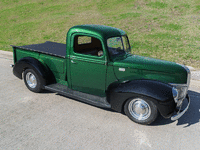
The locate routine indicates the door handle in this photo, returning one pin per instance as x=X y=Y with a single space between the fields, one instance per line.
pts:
x=73 y=62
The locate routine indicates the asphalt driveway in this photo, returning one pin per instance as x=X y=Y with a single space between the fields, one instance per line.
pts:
x=31 y=121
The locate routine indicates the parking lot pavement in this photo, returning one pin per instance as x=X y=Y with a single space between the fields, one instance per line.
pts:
x=50 y=121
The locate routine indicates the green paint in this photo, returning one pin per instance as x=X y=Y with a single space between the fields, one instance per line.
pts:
x=93 y=74
x=139 y=67
x=56 y=65
x=25 y=53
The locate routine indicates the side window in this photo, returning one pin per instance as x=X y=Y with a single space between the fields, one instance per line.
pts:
x=88 y=45
x=84 y=40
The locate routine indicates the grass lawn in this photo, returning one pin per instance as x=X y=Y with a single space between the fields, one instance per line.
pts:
x=162 y=29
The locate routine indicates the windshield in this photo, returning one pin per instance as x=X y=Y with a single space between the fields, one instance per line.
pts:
x=118 y=45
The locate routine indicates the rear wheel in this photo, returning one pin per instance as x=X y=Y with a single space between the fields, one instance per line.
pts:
x=32 y=80
x=141 y=110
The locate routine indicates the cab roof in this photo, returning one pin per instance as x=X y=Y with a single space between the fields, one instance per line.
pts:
x=101 y=30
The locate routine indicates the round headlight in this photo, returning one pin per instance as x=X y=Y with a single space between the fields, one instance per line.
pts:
x=175 y=94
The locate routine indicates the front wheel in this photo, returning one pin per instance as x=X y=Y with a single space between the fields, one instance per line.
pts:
x=32 y=81
x=141 y=110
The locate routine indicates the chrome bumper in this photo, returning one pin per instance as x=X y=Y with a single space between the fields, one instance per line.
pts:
x=181 y=112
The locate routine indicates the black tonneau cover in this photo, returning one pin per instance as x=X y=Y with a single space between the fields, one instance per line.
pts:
x=51 y=48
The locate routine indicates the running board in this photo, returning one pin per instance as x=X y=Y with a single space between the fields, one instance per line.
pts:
x=87 y=98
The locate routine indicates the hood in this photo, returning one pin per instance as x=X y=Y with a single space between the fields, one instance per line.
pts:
x=134 y=66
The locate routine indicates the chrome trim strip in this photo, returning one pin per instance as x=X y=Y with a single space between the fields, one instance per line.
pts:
x=182 y=85
x=178 y=115
x=188 y=74
x=188 y=80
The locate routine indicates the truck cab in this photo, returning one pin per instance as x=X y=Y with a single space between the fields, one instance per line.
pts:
x=96 y=66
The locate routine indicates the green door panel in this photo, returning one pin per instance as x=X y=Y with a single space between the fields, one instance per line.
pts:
x=88 y=70
x=88 y=75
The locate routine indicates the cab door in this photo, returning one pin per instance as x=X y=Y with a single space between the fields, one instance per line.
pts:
x=88 y=65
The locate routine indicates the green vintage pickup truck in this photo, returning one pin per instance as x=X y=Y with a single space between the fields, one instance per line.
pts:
x=95 y=66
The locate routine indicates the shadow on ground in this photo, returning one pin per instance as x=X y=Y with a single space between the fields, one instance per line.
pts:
x=107 y=109
x=46 y=92
x=192 y=116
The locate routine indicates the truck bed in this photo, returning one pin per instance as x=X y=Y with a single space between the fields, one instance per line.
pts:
x=51 y=48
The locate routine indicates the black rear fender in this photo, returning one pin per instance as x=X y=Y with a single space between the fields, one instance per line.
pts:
x=32 y=63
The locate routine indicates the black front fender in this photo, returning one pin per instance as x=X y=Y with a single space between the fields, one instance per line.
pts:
x=158 y=92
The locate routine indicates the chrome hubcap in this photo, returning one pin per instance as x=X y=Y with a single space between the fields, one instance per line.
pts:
x=139 y=109
x=31 y=80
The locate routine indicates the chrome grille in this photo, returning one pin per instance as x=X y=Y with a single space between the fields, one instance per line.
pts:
x=183 y=88
x=188 y=74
